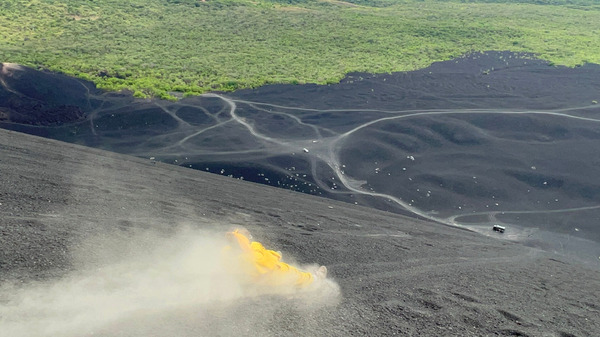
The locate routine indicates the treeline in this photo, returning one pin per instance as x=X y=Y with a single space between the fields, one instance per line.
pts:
x=157 y=47
x=535 y=2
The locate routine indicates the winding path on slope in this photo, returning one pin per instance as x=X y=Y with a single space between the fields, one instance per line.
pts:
x=327 y=149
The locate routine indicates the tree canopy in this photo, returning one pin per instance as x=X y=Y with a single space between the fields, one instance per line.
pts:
x=156 y=47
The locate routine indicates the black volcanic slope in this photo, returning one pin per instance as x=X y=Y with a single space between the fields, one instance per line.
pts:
x=89 y=244
x=492 y=138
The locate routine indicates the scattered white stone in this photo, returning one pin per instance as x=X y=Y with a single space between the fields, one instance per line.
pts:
x=411 y=158
x=533 y=167
x=545 y=183
x=330 y=207
x=152 y=158
x=305 y=150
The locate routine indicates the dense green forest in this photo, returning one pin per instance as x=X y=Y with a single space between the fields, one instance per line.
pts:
x=157 y=47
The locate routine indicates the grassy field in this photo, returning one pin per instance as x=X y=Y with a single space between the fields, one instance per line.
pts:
x=154 y=47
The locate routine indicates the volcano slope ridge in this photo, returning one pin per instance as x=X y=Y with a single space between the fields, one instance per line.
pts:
x=493 y=138
x=104 y=243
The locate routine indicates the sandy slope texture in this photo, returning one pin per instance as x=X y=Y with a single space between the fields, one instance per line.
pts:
x=485 y=139
x=102 y=243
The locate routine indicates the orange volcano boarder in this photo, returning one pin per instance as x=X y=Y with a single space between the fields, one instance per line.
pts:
x=263 y=266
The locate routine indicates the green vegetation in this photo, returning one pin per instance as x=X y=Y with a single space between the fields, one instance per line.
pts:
x=154 y=47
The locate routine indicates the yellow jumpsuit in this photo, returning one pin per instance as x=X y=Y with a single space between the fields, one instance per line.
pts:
x=265 y=267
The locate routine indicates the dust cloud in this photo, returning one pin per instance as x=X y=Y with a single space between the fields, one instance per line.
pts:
x=150 y=283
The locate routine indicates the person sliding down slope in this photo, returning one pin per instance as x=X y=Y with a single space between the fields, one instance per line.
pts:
x=263 y=267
